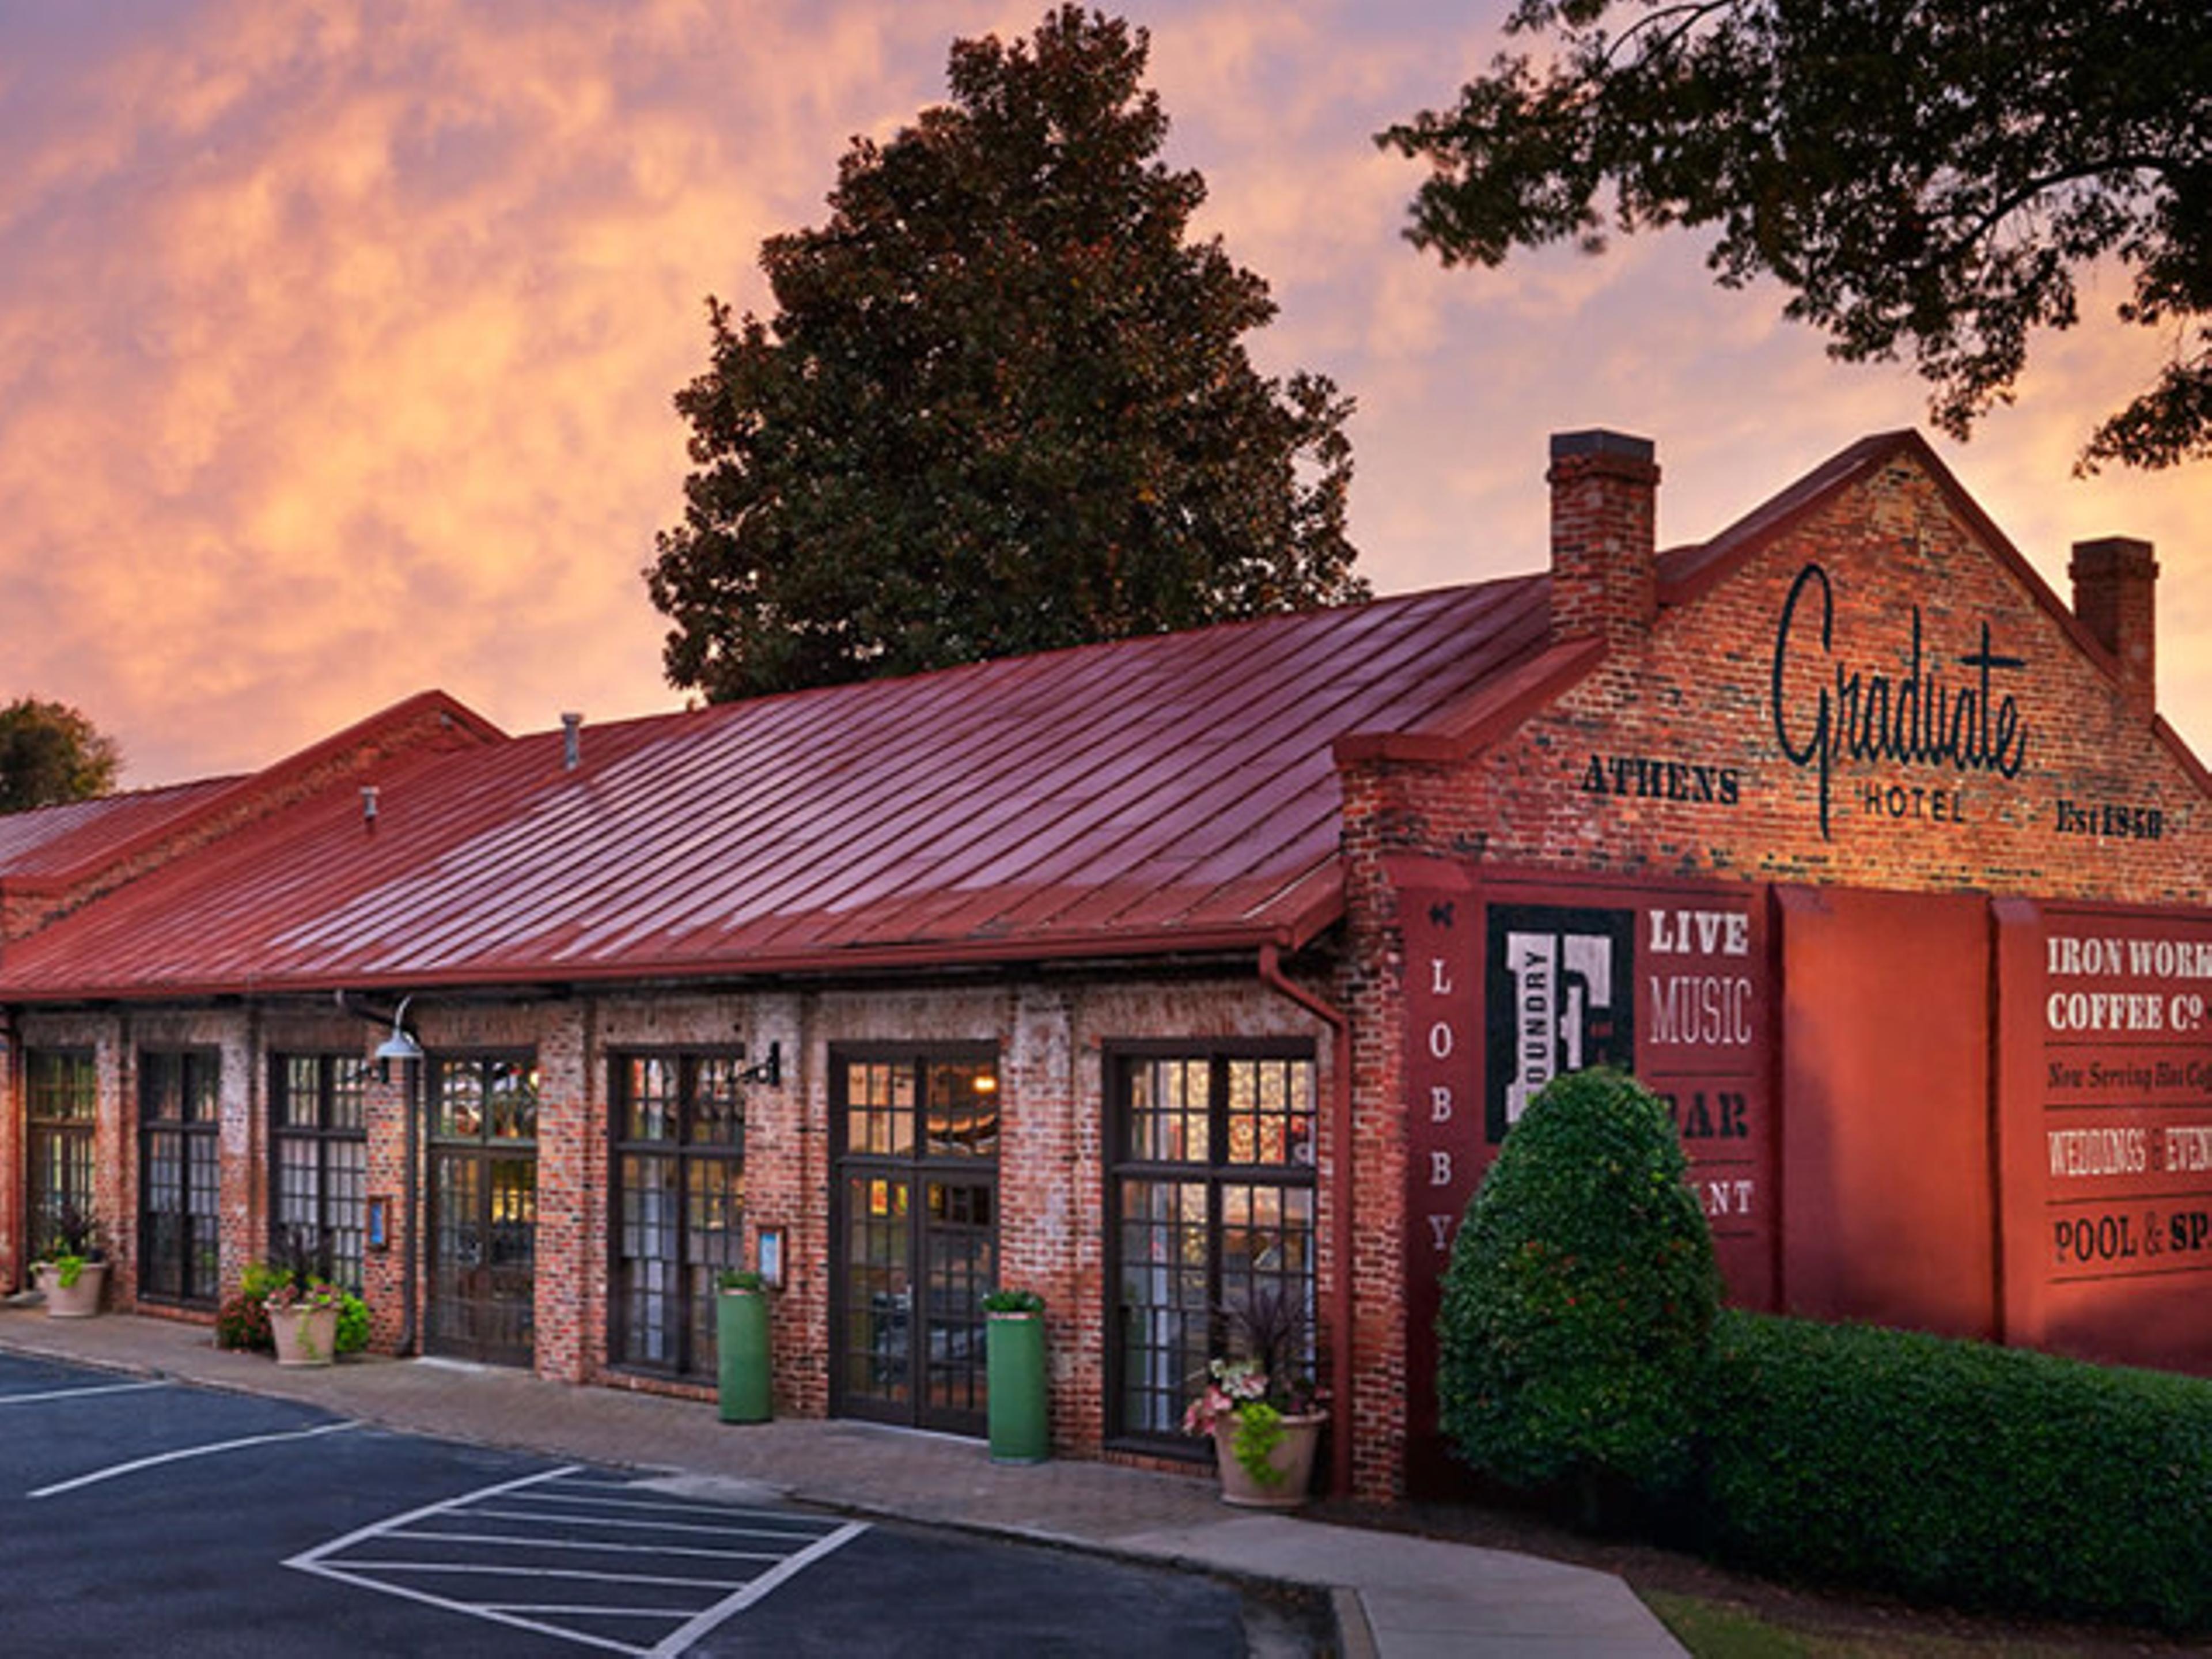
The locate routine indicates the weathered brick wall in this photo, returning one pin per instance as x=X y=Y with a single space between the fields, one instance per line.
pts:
x=1051 y=1034
x=1696 y=708
x=1667 y=761
x=1376 y=831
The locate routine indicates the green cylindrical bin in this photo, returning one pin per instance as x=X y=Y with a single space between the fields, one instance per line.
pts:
x=1015 y=1358
x=741 y=1341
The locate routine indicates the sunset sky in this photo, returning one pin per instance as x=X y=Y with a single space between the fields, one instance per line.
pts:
x=337 y=339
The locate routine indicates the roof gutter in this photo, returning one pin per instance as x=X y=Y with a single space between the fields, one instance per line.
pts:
x=1340 y=1299
x=1228 y=942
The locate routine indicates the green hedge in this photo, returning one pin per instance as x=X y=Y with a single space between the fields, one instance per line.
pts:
x=1956 y=1471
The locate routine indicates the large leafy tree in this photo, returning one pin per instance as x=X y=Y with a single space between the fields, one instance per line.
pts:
x=1003 y=404
x=50 y=753
x=1930 y=176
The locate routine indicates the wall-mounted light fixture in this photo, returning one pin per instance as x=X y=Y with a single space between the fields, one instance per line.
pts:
x=769 y=1072
x=400 y=1045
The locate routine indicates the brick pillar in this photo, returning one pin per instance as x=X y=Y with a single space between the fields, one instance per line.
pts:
x=392 y=1091
x=2116 y=597
x=1605 y=488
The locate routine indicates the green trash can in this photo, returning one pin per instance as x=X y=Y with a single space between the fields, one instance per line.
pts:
x=742 y=1345
x=1020 y=1431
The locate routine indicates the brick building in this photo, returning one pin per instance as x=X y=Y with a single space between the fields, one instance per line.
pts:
x=1152 y=973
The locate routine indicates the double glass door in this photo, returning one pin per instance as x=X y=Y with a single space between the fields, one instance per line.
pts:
x=917 y=1236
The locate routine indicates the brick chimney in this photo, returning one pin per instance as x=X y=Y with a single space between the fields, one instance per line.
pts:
x=1605 y=578
x=2115 y=595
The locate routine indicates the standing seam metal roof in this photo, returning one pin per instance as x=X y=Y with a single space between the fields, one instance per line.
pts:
x=1176 y=791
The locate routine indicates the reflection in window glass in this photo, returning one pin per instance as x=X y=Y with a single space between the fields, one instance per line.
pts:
x=679 y=1205
x=319 y=1156
x=1213 y=1205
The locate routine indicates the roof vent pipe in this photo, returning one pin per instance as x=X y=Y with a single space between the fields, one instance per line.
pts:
x=572 y=741
x=369 y=806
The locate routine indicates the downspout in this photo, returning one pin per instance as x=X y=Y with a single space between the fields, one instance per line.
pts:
x=1340 y=1299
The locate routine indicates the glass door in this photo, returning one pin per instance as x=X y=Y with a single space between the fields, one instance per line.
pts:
x=917 y=1238
x=484 y=1211
x=180 y=1210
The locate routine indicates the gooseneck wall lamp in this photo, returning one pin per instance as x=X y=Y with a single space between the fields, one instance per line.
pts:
x=401 y=1044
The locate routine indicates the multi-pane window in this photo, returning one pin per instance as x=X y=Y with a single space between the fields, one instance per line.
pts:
x=1213 y=1210
x=319 y=1157
x=179 y=1188
x=679 y=1168
x=61 y=1102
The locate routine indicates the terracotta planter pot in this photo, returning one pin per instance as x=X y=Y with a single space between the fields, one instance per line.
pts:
x=1291 y=1460
x=305 y=1336
x=77 y=1301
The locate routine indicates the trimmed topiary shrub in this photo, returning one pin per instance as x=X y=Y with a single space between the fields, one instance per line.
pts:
x=1960 y=1473
x=1579 y=1298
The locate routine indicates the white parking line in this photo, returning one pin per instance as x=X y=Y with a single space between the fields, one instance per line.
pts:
x=78 y=1393
x=679 y=1640
x=115 y=1471
x=305 y=1560
x=437 y=1553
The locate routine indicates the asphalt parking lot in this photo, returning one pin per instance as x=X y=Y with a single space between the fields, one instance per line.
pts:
x=146 y=1515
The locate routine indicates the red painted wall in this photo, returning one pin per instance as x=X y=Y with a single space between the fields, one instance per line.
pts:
x=1886 y=1209
x=2104 y=1101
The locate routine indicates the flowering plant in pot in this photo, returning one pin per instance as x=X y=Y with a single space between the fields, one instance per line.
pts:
x=72 y=1266
x=302 y=1303
x=1261 y=1403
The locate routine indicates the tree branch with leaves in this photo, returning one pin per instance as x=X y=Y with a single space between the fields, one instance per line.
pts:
x=1930 y=177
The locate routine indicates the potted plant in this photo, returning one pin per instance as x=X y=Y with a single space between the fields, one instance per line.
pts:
x=301 y=1301
x=72 y=1269
x=1261 y=1406
x=1014 y=1374
x=303 y=1321
x=742 y=1347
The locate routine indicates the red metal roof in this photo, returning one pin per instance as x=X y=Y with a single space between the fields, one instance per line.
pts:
x=49 y=840
x=1171 y=793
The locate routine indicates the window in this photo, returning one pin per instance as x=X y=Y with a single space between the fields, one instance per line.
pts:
x=679 y=1170
x=1211 y=1202
x=179 y=1182
x=61 y=1106
x=319 y=1157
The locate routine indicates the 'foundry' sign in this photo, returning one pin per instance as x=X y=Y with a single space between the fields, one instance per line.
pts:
x=1519 y=980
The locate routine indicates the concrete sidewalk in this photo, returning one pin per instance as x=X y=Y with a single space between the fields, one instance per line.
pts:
x=1394 y=1596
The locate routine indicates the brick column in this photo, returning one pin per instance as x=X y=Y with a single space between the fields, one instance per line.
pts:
x=1605 y=580
x=2116 y=597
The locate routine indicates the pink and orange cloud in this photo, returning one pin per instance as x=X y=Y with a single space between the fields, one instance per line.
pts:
x=337 y=340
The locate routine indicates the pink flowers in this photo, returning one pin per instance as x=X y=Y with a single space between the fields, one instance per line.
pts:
x=1234 y=1384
